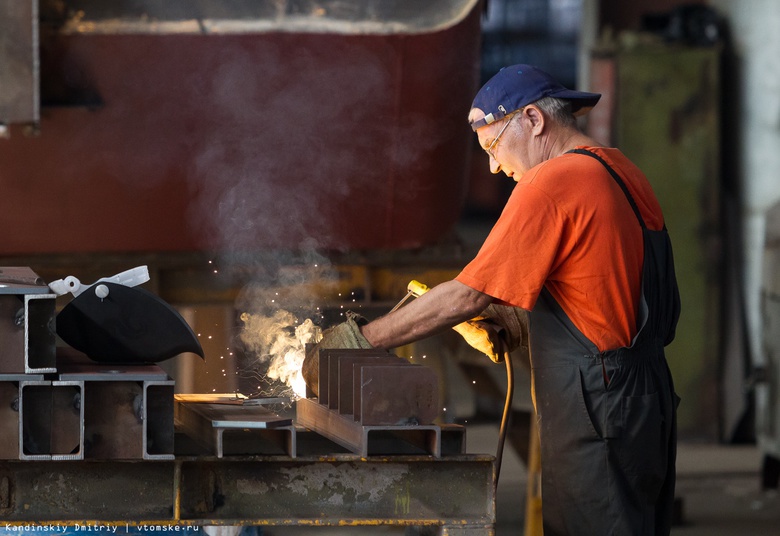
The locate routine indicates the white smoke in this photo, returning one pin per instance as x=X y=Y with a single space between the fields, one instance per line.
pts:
x=277 y=343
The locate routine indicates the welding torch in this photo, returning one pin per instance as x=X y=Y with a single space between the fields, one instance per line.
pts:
x=417 y=289
x=414 y=288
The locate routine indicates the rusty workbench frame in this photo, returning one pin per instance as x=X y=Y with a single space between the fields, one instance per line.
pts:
x=454 y=493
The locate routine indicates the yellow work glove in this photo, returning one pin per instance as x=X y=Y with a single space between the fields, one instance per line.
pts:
x=344 y=335
x=499 y=329
x=482 y=335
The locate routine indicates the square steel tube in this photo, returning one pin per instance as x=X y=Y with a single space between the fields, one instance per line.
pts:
x=40 y=343
x=158 y=420
x=27 y=333
x=51 y=420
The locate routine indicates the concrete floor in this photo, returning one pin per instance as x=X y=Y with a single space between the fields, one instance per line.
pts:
x=719 y=488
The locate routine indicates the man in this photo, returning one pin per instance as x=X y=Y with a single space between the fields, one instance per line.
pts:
x=581 y=245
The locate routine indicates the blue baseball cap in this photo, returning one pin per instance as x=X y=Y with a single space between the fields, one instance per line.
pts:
x=519 y=85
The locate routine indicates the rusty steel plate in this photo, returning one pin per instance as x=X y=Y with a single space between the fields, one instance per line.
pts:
x=346 y=375
x=333 y=369
x=327 y=381
x=395 y=395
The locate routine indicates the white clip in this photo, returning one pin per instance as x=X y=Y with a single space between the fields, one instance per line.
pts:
x=129 y=278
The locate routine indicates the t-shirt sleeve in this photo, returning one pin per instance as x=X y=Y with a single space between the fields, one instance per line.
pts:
x=521 y=250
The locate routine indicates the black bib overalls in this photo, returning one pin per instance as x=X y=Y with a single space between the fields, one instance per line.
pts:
x=607 y=420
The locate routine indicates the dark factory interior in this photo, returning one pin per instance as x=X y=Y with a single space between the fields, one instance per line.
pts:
x=195 y=191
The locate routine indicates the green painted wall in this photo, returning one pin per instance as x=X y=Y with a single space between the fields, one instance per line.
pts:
x=666 y=119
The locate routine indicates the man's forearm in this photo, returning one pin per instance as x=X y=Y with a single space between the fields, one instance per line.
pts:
x=440 y=308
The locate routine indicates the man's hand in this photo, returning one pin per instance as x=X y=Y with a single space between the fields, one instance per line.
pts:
x=344 y=335
x=499 y=329
x=482 y=335
x=512 y=323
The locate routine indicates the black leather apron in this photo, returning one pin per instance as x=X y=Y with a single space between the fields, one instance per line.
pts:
x=607 y=420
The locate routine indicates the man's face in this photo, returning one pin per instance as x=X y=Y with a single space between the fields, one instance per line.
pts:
x=504 y=143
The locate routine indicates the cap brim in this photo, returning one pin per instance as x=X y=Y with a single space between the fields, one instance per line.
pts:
x=581 y=101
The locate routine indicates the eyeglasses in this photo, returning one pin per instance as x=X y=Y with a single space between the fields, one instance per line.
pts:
x=495 y=140
x=494 y=143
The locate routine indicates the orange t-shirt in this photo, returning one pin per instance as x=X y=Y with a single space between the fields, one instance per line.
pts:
x=569 y=227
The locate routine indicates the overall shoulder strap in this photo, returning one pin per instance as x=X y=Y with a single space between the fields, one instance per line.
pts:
x=617 y=179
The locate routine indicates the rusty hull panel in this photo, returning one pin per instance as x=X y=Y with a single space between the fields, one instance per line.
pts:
x=243 y=140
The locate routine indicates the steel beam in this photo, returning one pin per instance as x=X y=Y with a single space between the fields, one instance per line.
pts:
x=376 y=440
x=454 y=493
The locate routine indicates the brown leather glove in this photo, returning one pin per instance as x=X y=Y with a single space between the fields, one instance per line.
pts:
x=344 y=335
x=512 y=323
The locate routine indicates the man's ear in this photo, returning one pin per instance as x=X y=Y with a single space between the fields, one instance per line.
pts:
x=536 y=118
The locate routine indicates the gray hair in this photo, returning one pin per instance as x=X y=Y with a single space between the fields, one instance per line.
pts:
x=559 y=110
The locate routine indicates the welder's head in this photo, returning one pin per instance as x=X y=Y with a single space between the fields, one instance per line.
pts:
x=517 y=86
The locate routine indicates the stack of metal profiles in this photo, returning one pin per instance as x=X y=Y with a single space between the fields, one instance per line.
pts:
x=60 y=409
x=372 y=402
